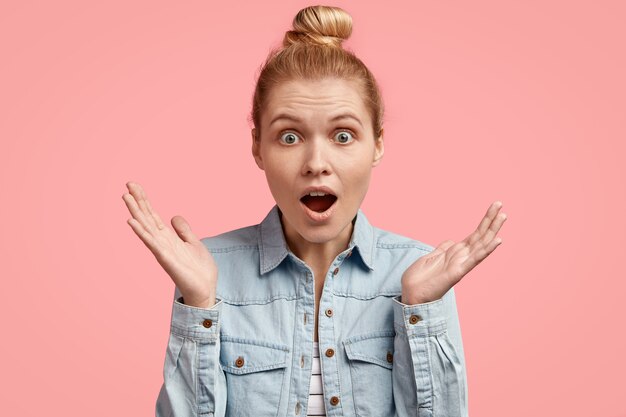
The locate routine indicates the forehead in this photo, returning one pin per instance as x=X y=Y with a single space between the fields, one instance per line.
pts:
x=316 y=98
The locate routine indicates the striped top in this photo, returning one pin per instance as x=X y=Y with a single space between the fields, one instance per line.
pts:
x=316 y=394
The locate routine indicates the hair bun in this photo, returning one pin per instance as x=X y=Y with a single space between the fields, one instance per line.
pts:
x=319 y=25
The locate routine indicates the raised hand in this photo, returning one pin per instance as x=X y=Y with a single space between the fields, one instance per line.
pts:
x=432 y=275
x=183 y=256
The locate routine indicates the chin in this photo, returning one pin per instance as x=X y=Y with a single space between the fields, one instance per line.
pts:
x=322 y=233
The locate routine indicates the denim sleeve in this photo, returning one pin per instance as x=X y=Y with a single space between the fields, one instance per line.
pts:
x=193 y=380
x=429 y=376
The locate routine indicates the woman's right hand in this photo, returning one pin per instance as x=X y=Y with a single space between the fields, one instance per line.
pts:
x=183 y=256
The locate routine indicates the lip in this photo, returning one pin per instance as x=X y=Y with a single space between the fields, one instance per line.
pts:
x=314 y=215
x=322 y=188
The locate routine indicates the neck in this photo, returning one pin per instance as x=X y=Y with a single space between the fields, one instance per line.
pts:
x=314 y=254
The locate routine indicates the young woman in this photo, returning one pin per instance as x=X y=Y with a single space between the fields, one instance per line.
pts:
x=313 y=311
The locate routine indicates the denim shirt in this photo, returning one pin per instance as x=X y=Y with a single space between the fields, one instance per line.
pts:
x=250 y=354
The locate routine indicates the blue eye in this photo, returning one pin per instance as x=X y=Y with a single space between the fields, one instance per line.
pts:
x=289 y=138
x=344 y=136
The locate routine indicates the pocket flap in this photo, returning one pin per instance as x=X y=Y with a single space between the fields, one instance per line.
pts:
x=374 y=348
x=244 y=356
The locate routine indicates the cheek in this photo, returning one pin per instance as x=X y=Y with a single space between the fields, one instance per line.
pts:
x=356 y=179
x=276 y=185
x=272 y=162
x=279 y=176
x=357 y=170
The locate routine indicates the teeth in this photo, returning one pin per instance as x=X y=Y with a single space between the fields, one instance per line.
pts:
x=317 y=194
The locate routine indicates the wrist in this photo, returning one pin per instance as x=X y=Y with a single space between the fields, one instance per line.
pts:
x=413 y=296
x=199 y=302
x=408 y=300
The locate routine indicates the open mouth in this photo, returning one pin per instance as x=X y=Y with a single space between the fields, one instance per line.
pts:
x=318 y=201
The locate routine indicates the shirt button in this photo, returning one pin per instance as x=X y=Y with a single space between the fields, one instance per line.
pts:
x=414 y=318
x=207 y=323
x=239 y=362
x=334 y=400
x=329 y=312
x=336 y=271
x=389 y=357
x=298 y=407
x=330 y=353
x=302 y=361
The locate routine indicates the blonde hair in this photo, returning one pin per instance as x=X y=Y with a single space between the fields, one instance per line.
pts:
x=311 y=51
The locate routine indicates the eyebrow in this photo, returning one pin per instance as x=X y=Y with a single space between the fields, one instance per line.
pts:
x=296 y=119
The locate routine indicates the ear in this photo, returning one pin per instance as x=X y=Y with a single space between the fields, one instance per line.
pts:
x=379 y=150
x=256 y=148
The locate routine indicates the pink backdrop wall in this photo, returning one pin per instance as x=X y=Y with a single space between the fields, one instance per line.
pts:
x=518 y=101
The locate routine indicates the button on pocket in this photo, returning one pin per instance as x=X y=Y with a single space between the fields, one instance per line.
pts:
x=369 y=356
x=254 y=371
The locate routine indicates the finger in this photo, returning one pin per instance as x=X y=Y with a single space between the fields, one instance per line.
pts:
x=183 y=229
x=136 y=212
x=157 y=218
x=137 y=192
x=485 y=223
x=494 y=228
x=145 y=237
x=441 y=248
x=457 y=248
x=480 y=254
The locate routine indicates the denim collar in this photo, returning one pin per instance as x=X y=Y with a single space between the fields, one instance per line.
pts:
x=273 y=247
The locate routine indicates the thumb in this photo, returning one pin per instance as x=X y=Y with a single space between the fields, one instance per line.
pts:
x=183 y=229
x=443 y=246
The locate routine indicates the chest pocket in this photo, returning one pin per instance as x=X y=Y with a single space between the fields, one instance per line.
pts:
x=370 y=360
x=255 y=374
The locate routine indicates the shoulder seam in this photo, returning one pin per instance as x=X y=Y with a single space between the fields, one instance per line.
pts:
x=383 y=245
x=232 y=248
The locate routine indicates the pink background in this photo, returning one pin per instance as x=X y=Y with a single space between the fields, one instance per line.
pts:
x=518 y=101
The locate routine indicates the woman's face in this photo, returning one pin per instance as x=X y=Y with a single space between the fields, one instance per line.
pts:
x=317 y=136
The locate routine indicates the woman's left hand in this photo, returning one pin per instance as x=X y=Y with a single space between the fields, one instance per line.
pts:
x=432 y=275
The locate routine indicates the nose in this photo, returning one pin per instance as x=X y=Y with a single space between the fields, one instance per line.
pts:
x=316 y=158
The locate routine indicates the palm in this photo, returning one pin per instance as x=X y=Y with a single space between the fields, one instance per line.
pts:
x=181 y=254
x=432 y=275
x=185 y=262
